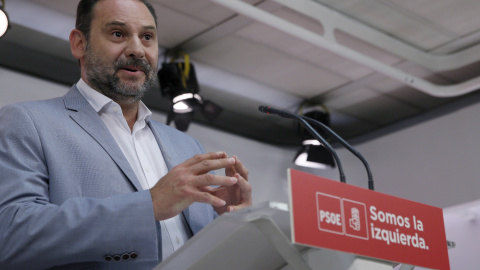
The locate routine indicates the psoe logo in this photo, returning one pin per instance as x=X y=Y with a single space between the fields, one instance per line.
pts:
x=341 y=216
x=330 y=213
x=355 y=219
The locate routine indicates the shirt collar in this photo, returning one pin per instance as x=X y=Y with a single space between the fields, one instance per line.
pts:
x=96 y=99
x=99 y=101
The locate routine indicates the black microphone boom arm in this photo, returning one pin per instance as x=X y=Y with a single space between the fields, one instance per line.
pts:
x=270 y=110
x=346 y=145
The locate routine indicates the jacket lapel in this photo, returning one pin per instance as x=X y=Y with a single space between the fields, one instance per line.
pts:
x=196 y=216
x=86 y=117
x=166 y=147
x=197 y=213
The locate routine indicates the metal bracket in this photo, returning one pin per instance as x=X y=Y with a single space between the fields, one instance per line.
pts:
x=332 y=20
x=327 y=43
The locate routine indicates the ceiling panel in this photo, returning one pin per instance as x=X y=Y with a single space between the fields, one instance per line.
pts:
x=408 y=95
x=445 y=13
x=67 y=7
x=242 y=63
x=302 y=78
x=463 y=73
x=270 y=37
x=350 y=126
x=300 y=20
x=268 y=66
x=367 y=48
x=372 y=107
x=42 y=17
x=415 y=98
x=359 y=95
x=395 y=21
x=202 y=10
x=346 y=68
x=185 y=26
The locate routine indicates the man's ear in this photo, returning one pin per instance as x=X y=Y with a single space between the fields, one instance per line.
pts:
x=78 y=43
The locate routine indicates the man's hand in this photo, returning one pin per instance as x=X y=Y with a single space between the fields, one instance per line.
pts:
x=236 y=196
x=190 y=182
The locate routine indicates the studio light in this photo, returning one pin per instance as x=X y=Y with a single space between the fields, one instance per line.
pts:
x=178 y=82
x=4 y=22
x=312 y=153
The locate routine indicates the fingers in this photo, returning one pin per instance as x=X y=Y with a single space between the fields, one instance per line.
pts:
x=204 y=163
x=191 y=182
x=238 y=199
x=208 y=179
x=206 y=156
x=240 y=168
x=245 y=194
x=232 y=208
x=205 y=197
x=217 y=160
x=245 y=187
x=171 y=194
x=207 y=165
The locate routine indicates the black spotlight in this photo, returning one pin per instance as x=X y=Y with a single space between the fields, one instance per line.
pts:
x=178 y=82
x=313 y=154
x=4 y=22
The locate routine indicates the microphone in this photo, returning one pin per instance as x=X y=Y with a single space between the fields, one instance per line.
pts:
x=346 y=145
x=270 y=110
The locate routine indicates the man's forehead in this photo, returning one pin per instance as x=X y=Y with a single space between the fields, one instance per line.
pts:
x=111 y=12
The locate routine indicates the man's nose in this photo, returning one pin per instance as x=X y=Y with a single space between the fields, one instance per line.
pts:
x=135 y=48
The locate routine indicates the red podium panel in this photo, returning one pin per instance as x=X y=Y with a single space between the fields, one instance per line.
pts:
x=338 y=216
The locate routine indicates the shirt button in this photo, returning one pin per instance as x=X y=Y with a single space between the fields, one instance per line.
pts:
x=178 y=240
x=125 y=256
x=108 y=258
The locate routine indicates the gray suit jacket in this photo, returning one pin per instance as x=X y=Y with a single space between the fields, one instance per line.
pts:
x=69 y=197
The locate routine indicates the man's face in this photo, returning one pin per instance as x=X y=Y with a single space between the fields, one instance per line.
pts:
x=122 y=51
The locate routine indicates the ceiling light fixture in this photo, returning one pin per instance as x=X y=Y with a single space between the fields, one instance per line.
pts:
x=313 y=154
x=4 y=22
x=178 y=82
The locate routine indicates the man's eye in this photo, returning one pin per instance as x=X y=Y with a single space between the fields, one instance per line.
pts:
x=148 y=37
x=117 y=34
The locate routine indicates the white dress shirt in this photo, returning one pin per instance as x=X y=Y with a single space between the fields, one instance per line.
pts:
x=144 y=155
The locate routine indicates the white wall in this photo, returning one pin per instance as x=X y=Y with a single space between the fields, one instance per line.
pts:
x=462 y=225
x=436 y=162
x=17 y=87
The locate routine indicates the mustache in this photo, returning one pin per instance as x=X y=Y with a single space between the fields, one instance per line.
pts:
x=141 y=64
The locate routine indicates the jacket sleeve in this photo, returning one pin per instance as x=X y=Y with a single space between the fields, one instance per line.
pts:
x=36 y=234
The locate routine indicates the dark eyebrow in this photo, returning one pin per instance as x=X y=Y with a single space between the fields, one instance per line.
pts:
x=114 y=23
x=117 y=23
x=150 y=27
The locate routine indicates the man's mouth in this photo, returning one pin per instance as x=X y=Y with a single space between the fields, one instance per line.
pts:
x=132 y=69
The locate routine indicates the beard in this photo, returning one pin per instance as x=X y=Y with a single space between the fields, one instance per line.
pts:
x=103 y=77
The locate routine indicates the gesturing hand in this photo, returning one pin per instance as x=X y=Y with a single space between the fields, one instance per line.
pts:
x=236 y=196
x=190 y=182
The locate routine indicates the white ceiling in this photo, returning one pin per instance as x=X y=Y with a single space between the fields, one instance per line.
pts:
x=243 y=62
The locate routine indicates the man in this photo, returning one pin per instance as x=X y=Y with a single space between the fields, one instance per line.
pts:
x=87 y=181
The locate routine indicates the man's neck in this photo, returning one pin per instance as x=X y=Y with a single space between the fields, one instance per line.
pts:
x=129 y=107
